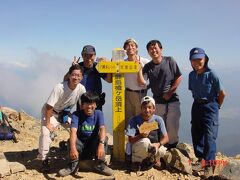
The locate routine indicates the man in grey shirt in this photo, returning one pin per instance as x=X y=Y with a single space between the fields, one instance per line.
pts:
x=164 y=78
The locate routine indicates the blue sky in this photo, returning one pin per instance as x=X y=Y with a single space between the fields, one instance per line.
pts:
x=38 y=40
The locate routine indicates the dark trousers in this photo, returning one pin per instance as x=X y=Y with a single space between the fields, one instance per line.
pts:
x=88 y=149
x=204 y=130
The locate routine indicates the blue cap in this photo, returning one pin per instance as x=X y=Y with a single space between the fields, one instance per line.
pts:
x=88 y=49
x=197 y=53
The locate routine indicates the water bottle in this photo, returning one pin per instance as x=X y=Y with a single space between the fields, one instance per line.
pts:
x=66 y=115
x=1 y=116
x=118 y=54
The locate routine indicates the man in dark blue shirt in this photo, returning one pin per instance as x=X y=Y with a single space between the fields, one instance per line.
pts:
x=91 y=77
x=87 y=136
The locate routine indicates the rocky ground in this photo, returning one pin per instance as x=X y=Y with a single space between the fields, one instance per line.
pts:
x=22 y=164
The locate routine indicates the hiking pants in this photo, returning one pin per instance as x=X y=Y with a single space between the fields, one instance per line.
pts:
x=204 y=129
x=88 y=149
x=140 y=150
x=45 y=139
x=170 y=113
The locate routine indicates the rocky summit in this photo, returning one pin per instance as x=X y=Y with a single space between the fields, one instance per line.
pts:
x=18 y=159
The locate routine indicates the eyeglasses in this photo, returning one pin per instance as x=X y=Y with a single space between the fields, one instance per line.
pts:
x=76 y=75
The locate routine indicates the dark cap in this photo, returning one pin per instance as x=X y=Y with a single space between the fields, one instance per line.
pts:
x=88 y=49
x=197 y=53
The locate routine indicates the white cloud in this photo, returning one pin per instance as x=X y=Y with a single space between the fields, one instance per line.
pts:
x=29 y=85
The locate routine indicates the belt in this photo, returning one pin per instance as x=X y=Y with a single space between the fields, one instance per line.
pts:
x=137 y=91
x=55 y=112
x=202 y=101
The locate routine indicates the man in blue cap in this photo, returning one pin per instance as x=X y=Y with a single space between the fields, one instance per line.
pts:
x=208 y=95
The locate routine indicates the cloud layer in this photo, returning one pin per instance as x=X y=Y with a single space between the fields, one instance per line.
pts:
x=28 y=85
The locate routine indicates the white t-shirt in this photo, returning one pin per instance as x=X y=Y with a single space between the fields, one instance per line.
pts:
x=131 y=78
x=63 y=97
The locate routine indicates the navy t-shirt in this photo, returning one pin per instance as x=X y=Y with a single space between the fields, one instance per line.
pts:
x=137 y=121
x=87 y=126
x=205 y=85
x=161 y=77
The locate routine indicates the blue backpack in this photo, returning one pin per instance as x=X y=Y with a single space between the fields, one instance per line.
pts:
x=6 y=130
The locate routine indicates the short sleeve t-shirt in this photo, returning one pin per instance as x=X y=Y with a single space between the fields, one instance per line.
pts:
x=87 y=126
x=131 y=78
x=63 y=97
x=161 y=76
x=137 y=121
x=205 y=85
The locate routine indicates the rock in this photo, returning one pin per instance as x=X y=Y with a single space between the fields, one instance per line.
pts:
x=220 y=165
x=16 y=167
x=231 y=170
x=178 y=161
x=14 y=116
x=237 y=156
x=4 y=166
x=24 y=116
x=187 y=150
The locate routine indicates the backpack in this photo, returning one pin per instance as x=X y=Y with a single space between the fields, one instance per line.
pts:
x=6 y=130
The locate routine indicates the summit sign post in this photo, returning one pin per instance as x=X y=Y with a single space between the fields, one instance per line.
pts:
x=118 y=67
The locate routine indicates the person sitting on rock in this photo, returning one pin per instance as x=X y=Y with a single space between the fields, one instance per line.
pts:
x=56 y=111
x=147 y=145
x=87 y=137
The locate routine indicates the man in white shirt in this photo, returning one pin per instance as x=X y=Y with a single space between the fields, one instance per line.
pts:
x=133 y=92
x=56 y=110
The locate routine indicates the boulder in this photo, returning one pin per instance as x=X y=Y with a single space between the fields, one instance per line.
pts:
x=16 y=167
x=231 y=170
x=174 y=158
x=187 y=150
x=4 y=166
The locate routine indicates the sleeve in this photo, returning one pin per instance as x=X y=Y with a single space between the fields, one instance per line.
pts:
x=176 y=70
x=100 y=118
x=82 y=91
x=74 y=122
x=189 y=80
x=217 y=85
x=131 y=128
x=54 y=96
x=162 y=126
x=145 y=71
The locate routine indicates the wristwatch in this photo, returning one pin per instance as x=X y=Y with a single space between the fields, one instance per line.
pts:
x=102 y=142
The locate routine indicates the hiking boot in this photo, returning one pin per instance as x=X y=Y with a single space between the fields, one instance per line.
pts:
x=147 y=163
x=45 y=166
x=208 y=172
x=135 y=166
x=157 y=165
x=152 y=150
x=102 y=168
x=170 y=146
x=63 y=145
x=71 y=169
x=198 y=166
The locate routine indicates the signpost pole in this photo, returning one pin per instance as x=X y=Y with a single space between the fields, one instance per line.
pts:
x=118 y=67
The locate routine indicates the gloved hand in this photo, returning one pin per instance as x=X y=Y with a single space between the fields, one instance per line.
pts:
x=102 y=99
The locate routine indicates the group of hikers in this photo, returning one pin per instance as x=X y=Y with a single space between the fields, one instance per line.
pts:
x=82 y=86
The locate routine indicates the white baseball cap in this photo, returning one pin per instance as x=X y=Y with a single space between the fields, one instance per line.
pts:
x=148 y=99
